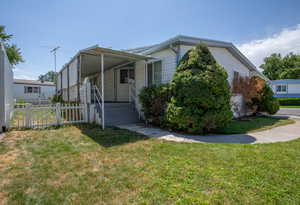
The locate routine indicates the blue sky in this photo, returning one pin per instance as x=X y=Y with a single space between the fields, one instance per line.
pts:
x=39 y=25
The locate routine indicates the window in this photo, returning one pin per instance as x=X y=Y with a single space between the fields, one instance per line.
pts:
x=236 y=75
x=281 y=88
x=28 y=89
x=149 y=74
x=154 y=73
x=124 y=75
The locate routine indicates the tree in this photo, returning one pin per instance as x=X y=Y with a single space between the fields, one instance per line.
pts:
x=13 y=52
x=50 y=76
x=275 y=67
x=201 y=95
x=293 y=73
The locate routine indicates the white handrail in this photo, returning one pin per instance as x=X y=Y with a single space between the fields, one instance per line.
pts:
x=99 y=100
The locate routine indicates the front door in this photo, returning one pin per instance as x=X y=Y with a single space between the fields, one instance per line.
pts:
x=123 y=76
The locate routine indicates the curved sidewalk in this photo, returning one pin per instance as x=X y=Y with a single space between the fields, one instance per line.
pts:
x=277 y=134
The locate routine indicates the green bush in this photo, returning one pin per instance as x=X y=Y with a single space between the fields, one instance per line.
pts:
x=200 y=94
x=154 y=101
x=289 y=101
x=268 y=102
x=56 y=99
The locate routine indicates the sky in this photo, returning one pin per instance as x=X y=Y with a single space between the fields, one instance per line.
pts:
x=258 y=28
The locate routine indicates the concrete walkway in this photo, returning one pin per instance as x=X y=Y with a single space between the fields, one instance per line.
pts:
x=277 y=134
x=289 y=111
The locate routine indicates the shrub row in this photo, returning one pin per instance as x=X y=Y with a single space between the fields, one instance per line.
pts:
x=289 y=101
x=154 y=100
x=197 y=100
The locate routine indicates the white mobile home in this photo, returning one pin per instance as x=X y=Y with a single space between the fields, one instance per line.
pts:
x=120 y=75
x=33 y=91
x=288 y=88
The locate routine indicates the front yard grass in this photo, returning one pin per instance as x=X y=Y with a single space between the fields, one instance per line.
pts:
x=253 y=124
x=85 y=165
x=290 y=106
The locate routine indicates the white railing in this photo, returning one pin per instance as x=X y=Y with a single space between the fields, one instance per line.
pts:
x=99 y=105
x=30 y=116
x=132 y=96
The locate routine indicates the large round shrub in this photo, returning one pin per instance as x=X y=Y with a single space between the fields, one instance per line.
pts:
x=154 y=101
x=201 y=95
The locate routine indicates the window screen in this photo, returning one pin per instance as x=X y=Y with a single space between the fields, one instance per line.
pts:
x=157 y=72
x=131 y=74
x=154 y=73
x=124 y=76
x=281 y=88
x=149 y=74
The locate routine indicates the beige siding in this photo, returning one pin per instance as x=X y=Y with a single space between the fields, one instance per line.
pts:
x=59 y=81
x=224 y=58
x=73 y=72
x=65 y=78
x=293 y=88
x=140 y=80
x=168 y=58
x=109 y=85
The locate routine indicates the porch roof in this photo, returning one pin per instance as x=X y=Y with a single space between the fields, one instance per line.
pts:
x=91 y=59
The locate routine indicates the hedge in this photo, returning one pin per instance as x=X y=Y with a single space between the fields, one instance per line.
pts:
x=289 y=101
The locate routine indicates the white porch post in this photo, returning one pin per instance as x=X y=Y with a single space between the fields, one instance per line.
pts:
x=102 y=88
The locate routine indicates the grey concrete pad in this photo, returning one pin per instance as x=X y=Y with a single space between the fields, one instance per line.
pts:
x=278 y=134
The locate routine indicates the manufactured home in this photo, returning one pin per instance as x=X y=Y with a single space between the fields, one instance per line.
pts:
x=117 y=76
x=288 y=88
x=33 y=91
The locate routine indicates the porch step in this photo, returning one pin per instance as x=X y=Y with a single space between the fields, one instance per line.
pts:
x=120 y=114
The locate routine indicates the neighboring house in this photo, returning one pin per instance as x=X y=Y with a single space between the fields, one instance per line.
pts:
x=33 y=91
x=288 y=88
x=126 y=72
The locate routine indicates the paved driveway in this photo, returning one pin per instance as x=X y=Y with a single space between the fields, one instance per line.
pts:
x=277 y=134
x=289 y=111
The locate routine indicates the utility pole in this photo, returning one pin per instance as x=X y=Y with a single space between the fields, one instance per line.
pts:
x=54 y=53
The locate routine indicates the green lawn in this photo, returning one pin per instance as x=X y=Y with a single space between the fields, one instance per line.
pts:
x=253 y=124
x=84 y=165
x=290 y=106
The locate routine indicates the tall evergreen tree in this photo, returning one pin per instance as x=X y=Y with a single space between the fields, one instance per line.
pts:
x=200 y=93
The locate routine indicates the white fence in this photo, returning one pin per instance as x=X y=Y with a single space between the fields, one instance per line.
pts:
x=30 y=116
x=6 y=85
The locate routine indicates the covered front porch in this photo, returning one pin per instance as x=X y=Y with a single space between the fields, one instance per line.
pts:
x=116 y=74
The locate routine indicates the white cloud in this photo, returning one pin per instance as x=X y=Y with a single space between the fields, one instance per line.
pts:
x=23 y=74
x=288 y=40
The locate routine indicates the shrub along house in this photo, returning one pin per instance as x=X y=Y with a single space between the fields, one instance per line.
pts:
x=118 y=76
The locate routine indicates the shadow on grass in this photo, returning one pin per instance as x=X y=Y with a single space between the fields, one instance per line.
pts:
x=111 y=136
x=157 y=132
x=252 y=124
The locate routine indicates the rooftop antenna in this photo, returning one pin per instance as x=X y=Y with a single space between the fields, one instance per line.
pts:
x=54 y=53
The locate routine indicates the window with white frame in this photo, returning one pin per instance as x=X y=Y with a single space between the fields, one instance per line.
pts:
x=125 y=75
x=30 y=89
x=154 y=73
x=281 y=88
